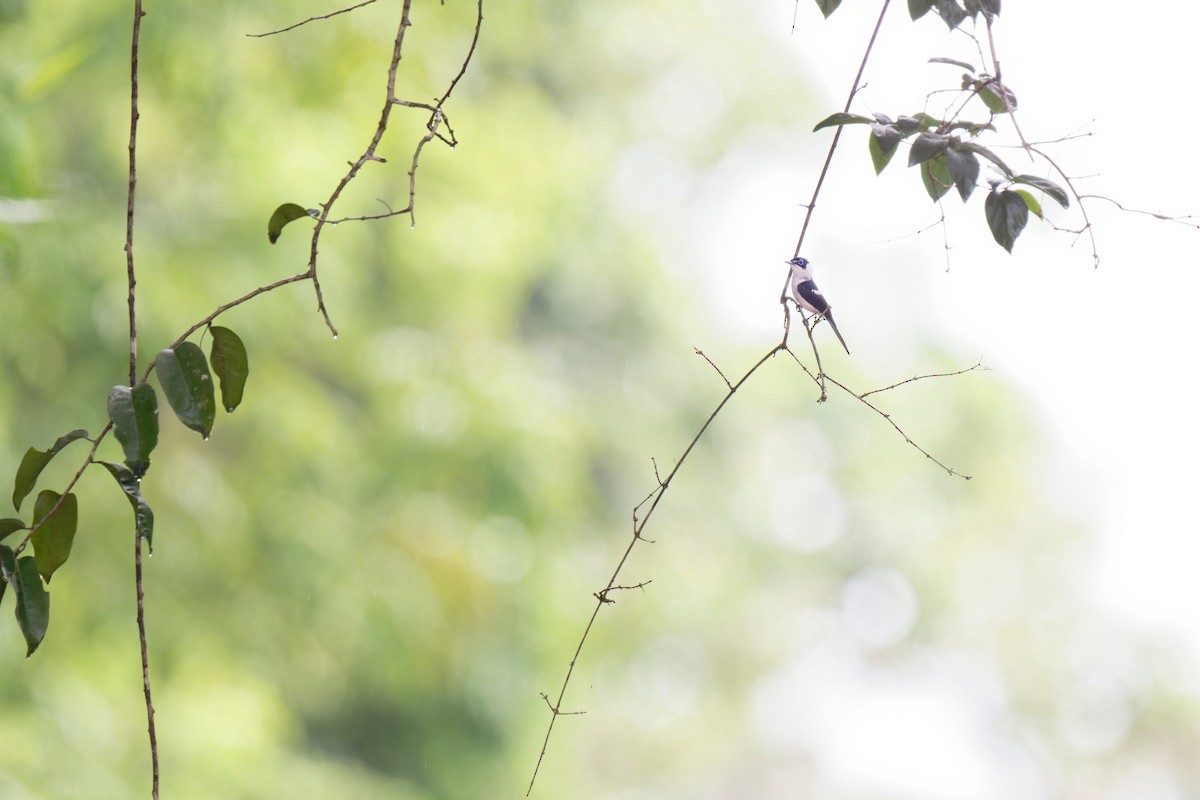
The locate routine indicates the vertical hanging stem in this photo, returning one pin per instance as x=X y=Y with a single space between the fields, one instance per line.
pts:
x=138 y=13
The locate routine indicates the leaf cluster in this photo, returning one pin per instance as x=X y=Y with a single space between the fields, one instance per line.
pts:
x=186 y=381
x=947 y=152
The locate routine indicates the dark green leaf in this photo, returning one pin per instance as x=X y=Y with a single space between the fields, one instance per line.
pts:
x=842 y=118
x=989 y=155
x=973 y=128
x=35 y=461
x=990 y=7
x=229 y=361
x=185 y=380
x=134 y=414
x=10 y=525
x=936 y=177
x=33 y=603
x=8 y=566
x=143 y=516
x=1006 y=215
x=828 y=6
x=925 y=147
x=883 y=141
x=919 y=8
x=1056 y=192
x=55 y=531
x=1030 y=201
x=972 y=7
x=951 y=12
x=282 y=216
x=964 y=64
x=964 y=170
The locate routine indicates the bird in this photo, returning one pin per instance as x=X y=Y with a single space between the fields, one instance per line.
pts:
x=809 y=297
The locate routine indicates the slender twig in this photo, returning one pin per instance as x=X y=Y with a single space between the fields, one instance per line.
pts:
x=139 y=586
x=1087 y=222
x=978 y=366
x=837 y=134
x=310 y=19
x=862 y=399
x=1183 y=219
x=602 y=598
x=1002 y=90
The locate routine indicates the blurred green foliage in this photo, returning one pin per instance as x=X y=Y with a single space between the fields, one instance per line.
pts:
x=363 y=580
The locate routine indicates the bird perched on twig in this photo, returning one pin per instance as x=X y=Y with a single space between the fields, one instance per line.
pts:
x=809 y=297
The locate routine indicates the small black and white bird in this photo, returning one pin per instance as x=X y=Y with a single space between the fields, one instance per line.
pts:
x=809 y=297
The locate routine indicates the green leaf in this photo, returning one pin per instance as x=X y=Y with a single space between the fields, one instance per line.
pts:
x=1031 y=202
x=282 y=216
x=951 y=12
x=185 y=380
x=143 y=516
x=972 y=7
x=33 y=603
x=229 y=361
x=1006 y=215
x=936 y=177
x=8 y=566
x=55 y=531
x=979 y=149
x=925 y=147
x=1051 y=188
x=9 y=526
x=35 y=461
x=882 y=143
x=134 y=414
x=828 y=6
x=919 y=8
x=969 y=67
x=993 y=93
x=990 y=7
x=964 y=170
x=842 y=118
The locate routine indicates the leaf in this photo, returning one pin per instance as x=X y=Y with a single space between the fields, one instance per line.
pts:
x=951 y=12
x=9 y=526
x=1006 y=214
x=919 y=8
x=828 y=6
x=882 y=145
x=925 y=147
x=936 y=177
x=282 y=216
x=8 y=566
x=990 y=7
x=979 y=149
x=33 y=603
x=963 y=167
x=134 y=414
x=35 y=461
x=969 y=67
x=993 y=94
x=1051 y=188
x=228 y=357
x=55 y=531
x=1031 y=202
x=185 y=380
x=972 y=7
x=842 y=118
x=143 y=515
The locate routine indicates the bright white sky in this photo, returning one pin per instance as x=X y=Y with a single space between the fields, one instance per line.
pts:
x=1106 y=356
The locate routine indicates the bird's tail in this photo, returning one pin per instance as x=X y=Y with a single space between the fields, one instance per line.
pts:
x=832 y=324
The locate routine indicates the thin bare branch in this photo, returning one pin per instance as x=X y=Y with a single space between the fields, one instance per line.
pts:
x=915 y=378
x=310 y=19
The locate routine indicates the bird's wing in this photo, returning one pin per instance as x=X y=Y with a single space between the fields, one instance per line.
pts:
x=809 y=295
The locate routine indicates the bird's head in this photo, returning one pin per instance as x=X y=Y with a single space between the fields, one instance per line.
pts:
x=799 y=262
